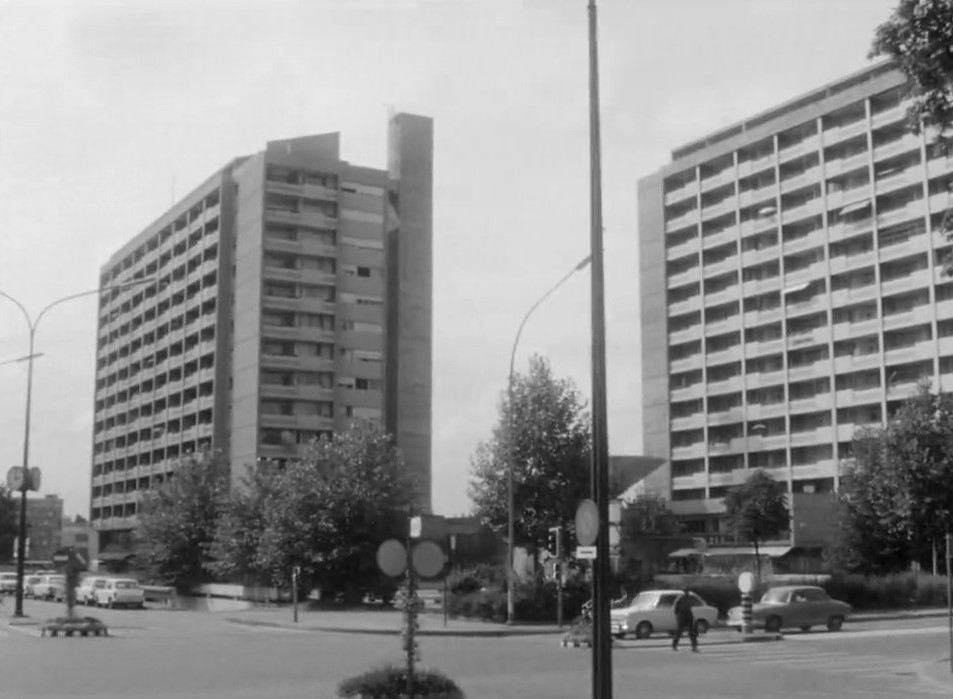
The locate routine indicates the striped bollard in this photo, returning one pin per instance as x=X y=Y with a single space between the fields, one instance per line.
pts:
x=746 y=587
x=746 y=613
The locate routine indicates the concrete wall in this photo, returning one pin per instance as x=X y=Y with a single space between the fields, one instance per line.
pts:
x=410 y=296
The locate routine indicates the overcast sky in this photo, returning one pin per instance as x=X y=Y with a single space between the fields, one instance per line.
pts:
x=108 y=109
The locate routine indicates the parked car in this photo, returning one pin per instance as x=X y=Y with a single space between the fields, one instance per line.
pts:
x=653 y=611
x=120 y=592
x=30 y=583
x=86 y=590
x=794 y=606
x=8 y=583
x=50 y=587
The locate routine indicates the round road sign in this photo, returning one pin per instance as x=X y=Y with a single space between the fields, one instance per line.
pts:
x=392 y=558
x=587 y=523
x=746 y=583
x=429 y=559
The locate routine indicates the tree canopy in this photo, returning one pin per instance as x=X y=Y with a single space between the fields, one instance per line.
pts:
x=897 y=496
x=757 y=510
x=9 y=519
x=919 y=36
x=551 y=450
x=178 y=518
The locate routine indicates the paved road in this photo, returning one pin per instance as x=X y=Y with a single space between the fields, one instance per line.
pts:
x=157 y=654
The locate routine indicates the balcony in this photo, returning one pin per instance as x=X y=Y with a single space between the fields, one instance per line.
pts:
x=840 y=231
x=765 y=411
x=767 y=194
x=695 y=421
x=807 y=145
x=908 y=142
x=689 y=218
x=940 y=165
x=728 y=264
x=749 y=167
x=810 y=371
x=695 y=480
x=696 y=390
x=274 y=244
x=806 y=177
x=760 y=286
x=719 y=178
x=914 y=209
x=904 y=178
x=726 y=417
x=733 y=385
x=812 y=305
x=843 y=365
x=917 y=316
x=847 y=331
x=692 y=303
x=856 y=294
x=839 y=199
x=813 y=239
x=843 y=263
x=681 y=278
x=764 y=348
x=754 y=257
x=676 y=337
x=816 y=270
x=713 y=240
x=724 y=325
x=805 y=339
x=911 y=353
x=764 y=378
x=853 y=162
x=687 y=191
x=859 y=396
x=719 y=208
x=890 y=115
x=808 y=208
x=941 y=202
x=823 y=468
x=810 y=404
x=312 y=219
x=682 y=249
x=723 y=356
x=696 y=361
x=820 y=435
x=758 y=225
x=731 y=293
x=836 y=134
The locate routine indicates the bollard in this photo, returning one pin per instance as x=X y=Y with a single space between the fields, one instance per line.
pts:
x=746 y=612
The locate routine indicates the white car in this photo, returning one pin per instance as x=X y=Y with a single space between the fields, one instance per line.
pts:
x=51 y=587
x=8 y=583
x=120 y=592
x=653 y=611
x=86 y=590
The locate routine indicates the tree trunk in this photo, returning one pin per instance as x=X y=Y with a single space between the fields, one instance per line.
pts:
x=757 y=559
x=933 y=546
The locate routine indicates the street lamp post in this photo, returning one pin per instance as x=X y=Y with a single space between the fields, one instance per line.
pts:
x=511 y=442
x=32 y=324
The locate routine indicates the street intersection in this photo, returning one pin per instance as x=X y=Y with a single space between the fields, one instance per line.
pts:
x=191 y=655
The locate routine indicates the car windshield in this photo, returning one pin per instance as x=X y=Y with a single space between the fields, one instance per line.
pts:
x=643 y=600
x=774 y=597
x=126 y=585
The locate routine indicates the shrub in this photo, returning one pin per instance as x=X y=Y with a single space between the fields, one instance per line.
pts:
x=390 y=682
x=466 y=580
x=902 y=590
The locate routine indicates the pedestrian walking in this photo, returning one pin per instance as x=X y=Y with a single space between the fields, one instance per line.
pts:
x=685 y=621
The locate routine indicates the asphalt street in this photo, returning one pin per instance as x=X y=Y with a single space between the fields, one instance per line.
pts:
x=166 y=654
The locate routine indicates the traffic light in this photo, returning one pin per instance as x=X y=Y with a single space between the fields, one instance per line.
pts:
x=553 y=543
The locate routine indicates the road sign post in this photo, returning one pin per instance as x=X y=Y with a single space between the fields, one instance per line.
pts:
x=295 y=572
x=949 y=593
x=746 y=586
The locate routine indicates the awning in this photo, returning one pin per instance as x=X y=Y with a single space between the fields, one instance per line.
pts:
x=794 y=288
x=684 y=553
x=770 y=551
x=855 y=206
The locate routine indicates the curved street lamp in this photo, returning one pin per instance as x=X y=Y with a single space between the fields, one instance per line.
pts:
x=32 y=324
x=511 y=443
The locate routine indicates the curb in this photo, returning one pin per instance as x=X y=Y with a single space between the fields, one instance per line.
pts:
x=462 y=633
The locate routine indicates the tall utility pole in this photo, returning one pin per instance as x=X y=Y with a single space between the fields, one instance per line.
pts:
x=601 y=640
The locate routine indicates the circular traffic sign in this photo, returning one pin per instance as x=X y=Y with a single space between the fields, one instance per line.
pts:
x=392 y=558
x=746 y=583
x=429 y=559
x=587 y=523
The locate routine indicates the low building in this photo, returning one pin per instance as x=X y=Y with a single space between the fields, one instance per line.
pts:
x=44 y=524
x=79 y=535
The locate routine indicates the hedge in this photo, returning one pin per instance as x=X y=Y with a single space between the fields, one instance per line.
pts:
x=531 y=604
x=390 y=682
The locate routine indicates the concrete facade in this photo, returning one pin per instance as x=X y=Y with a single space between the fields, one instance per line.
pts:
x=44 y=522
x=792 y=291
x=276 y=313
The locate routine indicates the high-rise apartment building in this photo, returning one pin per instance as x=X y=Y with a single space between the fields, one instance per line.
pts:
x=792 y=290
x=290 y=293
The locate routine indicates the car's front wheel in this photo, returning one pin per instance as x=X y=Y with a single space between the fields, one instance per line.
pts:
x=835 y=623
x=643 y=630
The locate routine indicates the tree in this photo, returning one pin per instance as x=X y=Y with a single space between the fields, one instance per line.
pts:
x=9 y=520
x=242 y=520
x=919 y=37
x=897 y=499
x=329 y=512
x=757 y=510
x=177 y=519
x=551 y=439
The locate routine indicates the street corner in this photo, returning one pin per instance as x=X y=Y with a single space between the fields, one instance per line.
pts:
x=937 y=674
x=23 y=621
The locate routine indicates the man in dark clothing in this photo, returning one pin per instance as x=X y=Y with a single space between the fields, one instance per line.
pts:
x=685 y=621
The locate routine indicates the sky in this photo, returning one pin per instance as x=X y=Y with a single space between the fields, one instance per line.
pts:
x=111 y=110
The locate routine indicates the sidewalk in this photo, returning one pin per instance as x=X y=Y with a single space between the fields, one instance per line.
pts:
x=938 y=674
x=389 y=621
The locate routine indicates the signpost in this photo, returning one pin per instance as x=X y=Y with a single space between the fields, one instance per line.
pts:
x=295 y=572
x=949 y=592
x=586 y=553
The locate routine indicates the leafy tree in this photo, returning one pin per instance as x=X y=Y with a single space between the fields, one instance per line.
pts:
x=898 y=495
x=757 y=510
x=177 y=519
x=9 y=521
x=330 y=511
x=648 y=514
x=552 y=440
x=243 y=518
x=919 y=37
